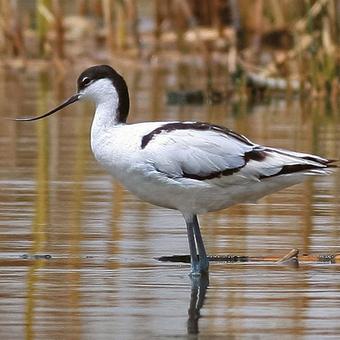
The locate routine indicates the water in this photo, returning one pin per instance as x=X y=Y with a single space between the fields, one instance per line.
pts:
x=77 y=251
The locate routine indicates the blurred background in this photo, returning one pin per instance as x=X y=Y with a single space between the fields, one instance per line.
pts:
x=255 y=46
x=77 y=250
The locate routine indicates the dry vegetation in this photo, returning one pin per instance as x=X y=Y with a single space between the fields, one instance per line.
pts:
x=262 y=45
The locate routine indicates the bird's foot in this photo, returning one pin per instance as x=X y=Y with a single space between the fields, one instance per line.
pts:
x=200 y=268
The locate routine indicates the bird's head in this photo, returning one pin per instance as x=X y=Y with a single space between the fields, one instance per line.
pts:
x=100 y=83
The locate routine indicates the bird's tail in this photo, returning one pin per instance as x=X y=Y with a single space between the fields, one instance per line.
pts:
x=299 y=163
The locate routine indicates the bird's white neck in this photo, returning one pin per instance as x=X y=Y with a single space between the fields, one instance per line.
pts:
x=105 y=119
x=106 y=99
x=103 y=125
x=106 y=115
x=104 y=122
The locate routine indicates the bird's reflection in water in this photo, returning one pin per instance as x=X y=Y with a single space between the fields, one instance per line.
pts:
x=199 y=287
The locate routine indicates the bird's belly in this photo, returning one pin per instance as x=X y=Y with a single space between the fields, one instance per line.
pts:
x=187 y=195
x=180 y=194
x=187 y=199
x=197 y=197
x=155 y=190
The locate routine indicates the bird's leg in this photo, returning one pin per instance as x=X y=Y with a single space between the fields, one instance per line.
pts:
x=199 y=285
x=203 y=259
x=192 y=247
x=198 y=265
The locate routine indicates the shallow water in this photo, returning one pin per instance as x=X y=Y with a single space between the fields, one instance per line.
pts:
x=97 y=276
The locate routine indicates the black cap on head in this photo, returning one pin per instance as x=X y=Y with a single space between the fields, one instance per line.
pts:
x=85 y=79
x=107 y=72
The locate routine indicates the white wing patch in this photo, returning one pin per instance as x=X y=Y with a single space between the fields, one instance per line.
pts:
x=195 y=152
x=222 y=158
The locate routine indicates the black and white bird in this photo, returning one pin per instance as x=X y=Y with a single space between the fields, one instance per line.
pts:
x=192 y=167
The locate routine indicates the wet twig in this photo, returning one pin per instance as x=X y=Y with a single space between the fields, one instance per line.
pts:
x=292 y=254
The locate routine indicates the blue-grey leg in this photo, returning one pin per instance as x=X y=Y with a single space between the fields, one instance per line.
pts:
x=203 y=259
x=192 y=248
x=199 y=265
x=199 y=285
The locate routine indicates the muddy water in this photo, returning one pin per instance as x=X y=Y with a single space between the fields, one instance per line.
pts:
x=77 y=251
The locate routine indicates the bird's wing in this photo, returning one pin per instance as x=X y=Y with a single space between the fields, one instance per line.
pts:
x=197 y=150
x=205 y=152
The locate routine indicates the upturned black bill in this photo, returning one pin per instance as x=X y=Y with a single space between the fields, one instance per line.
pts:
x=69 y=101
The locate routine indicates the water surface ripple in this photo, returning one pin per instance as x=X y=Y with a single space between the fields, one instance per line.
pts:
x=77 y=251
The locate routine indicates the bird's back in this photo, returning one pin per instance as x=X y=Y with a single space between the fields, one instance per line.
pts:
x=200 y=167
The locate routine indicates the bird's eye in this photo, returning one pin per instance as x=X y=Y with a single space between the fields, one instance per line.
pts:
x=85 y=81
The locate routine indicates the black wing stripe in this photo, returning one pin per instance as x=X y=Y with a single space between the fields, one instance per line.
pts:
x=259 y=156
x=256 y=155
x=294 y=168
x=212 y=175
x=192 y=126
x=316 y=159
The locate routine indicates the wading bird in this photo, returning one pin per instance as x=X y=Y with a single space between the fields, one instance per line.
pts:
x=192 y=167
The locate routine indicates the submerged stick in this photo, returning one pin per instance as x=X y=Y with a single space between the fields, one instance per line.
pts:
x=291 y=255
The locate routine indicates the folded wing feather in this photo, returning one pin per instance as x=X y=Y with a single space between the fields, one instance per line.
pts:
x=221 y=158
